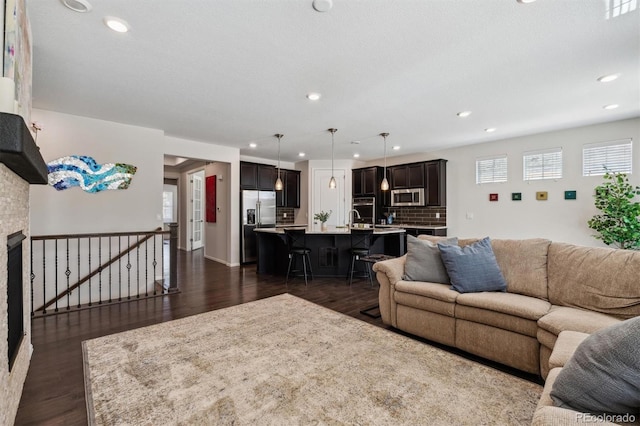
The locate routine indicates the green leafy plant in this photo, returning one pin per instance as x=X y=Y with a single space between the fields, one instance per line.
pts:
x=323 y=216
x=619 y=223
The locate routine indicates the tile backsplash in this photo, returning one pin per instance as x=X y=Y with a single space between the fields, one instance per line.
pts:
x=419 y=215
x=280 y=213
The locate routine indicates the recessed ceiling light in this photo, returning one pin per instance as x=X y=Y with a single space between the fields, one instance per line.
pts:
x=608 y=78
x=116 y=24
x=252 y=145
x=395 y=148
x=611 y=106
x=313 y=96
x=525 y=1
x=322 y=5
x=81 y=6
x=490 y=129
x=356 y=155
x=301 y=154
x=464 y=114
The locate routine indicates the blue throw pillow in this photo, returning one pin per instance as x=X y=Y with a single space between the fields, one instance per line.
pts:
x=603 y=375
x=473 y=268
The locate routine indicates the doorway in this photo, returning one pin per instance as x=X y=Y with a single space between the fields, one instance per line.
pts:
x=196 y=181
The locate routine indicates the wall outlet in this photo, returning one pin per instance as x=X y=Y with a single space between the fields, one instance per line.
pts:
x=469 y=216
x=437 y=215
x=284 y=215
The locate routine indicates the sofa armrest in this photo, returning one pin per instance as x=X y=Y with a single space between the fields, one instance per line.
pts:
x=388 y=273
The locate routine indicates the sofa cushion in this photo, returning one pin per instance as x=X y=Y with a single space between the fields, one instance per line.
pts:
x=524 y=265
x=472 y=268
x=595 y=278
x=433 y=290
x=560 y=318
x=512 y=304
x=603 y=376
x=564 y=347
x=424 y=262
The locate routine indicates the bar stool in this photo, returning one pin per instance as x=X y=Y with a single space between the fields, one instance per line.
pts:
x=297 y=247
x=360 y=246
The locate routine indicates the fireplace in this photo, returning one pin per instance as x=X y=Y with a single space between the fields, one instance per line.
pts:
x=15 y=302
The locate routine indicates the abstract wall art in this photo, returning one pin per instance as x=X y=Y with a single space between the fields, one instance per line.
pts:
x=210 y=201
x=83 y=171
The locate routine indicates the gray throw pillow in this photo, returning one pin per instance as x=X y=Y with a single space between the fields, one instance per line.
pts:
x=473 y=268
x=424 y=262
x=603 y=375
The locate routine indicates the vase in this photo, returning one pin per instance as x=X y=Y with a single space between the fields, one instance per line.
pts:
x=323 y=227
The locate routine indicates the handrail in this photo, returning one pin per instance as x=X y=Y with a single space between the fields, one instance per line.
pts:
x=99 y=269
x=158 y=230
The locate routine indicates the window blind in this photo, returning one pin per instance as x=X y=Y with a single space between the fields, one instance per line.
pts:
x=542 y=164
x=614 y=156
x=491 y=169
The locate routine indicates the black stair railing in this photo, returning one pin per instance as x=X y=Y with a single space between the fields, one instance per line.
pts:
x=71 y=272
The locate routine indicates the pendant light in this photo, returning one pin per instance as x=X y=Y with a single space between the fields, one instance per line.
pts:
x=385 y=183
x=279 y=184
x=332 y=181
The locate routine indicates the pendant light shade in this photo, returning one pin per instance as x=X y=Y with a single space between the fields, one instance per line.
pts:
x=385 y=183
x=279 y=184
x=332 y=181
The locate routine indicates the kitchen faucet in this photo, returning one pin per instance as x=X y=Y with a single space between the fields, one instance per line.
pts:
x=351 y=217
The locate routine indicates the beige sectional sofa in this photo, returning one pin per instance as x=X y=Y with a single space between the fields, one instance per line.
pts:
x=551 y=287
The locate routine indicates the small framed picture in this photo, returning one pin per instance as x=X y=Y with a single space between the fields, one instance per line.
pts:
x=493 y=197
x=516 y=196
x=541 y=195
x=570 y=195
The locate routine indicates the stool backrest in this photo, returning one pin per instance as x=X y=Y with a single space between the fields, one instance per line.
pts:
x=296 y=238
x=361 y=238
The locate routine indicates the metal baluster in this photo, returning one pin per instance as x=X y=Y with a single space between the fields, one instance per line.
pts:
x=99 y=270
x=155 y=254
x=146 y=268
x=32 y=276
x=138 y=266
x=90 y=298
x=56 y=273
x=44 y=277
x=78 y=272
x=110 y=278
x=120 y=270
x=129 y=268
x=67 y=272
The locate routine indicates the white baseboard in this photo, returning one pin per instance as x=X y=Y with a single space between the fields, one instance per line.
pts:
x=215 y=259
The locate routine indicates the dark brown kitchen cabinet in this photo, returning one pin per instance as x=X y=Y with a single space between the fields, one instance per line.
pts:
x=407 y=176
x=436 y=183
x=289 y=196
x=257 y=176
x=366 y=182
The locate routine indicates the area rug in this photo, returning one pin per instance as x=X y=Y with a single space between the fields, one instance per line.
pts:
x=284 y=360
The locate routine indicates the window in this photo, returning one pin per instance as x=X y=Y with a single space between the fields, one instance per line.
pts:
x=614 y=156
x=167 y=206
x=491 y=169
x=543 y=164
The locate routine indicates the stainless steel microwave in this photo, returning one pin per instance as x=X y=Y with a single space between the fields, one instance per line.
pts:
x=407 y=197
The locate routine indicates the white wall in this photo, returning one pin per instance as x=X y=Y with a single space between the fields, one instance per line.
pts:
x=140 y=206
x=556 y=219
x=217 y=233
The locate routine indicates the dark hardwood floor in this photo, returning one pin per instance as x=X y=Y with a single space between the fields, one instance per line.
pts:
x=54 y=391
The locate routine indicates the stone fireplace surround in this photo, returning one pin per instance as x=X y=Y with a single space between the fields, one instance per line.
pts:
x=20 y=164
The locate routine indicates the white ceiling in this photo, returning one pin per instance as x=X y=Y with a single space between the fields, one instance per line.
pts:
x=232 y=72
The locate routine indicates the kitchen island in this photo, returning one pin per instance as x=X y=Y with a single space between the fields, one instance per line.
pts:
x=330 y=249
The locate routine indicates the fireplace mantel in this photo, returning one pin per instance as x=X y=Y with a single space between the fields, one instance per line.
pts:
x=18 y=150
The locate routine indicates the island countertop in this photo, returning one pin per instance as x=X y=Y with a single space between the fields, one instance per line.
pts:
x=331 y=230
x=330 y=250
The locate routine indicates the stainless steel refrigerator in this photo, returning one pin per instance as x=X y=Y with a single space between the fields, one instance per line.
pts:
x=258 y=211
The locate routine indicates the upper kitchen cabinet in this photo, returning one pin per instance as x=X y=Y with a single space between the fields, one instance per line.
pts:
x=257 y=176
x=407 y=176
x=289 y=196
x=435 y=190
x=366 y=182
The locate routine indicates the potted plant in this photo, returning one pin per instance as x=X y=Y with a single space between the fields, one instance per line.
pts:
x=618 y=224
x=322 y=217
